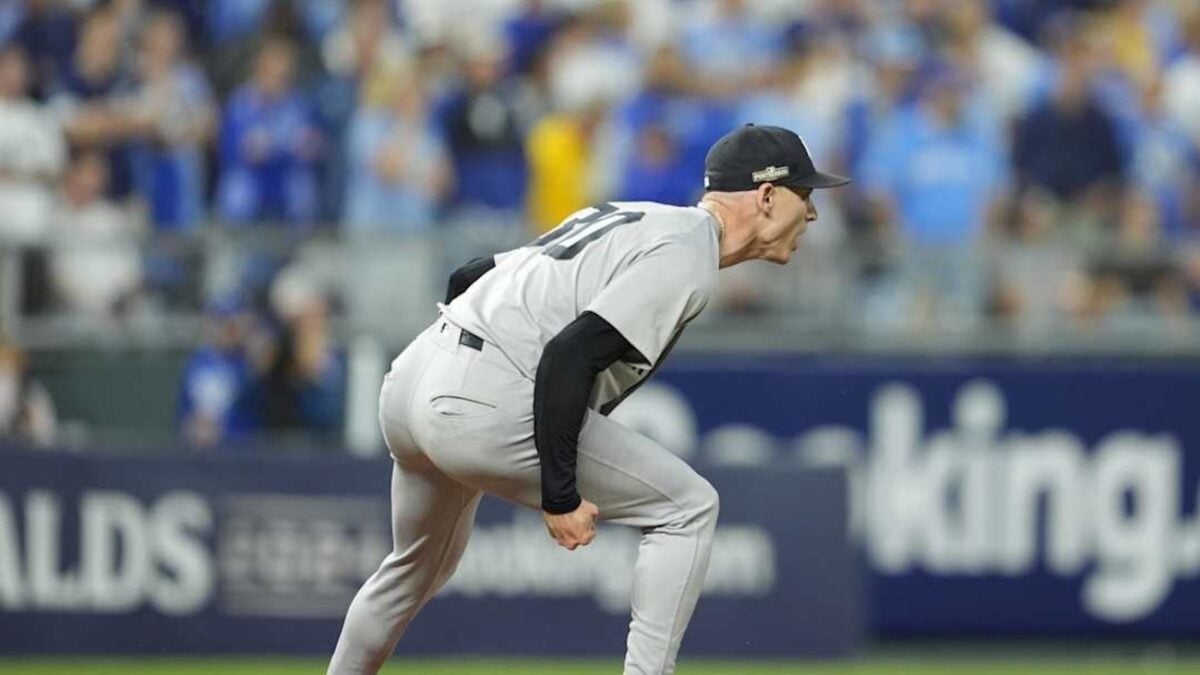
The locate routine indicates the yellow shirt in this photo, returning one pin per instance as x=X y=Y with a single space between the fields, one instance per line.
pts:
x=1133 y=47
x=558 y=156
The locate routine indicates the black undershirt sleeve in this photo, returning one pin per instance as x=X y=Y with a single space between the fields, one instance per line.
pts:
x=565 y=376
x=462 y=278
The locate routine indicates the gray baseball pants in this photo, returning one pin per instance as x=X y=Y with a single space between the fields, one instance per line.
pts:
x=459 y=422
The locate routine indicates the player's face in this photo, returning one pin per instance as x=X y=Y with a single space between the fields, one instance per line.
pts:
x=792 y=210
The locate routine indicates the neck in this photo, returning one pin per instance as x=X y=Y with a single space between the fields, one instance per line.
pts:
x=735 y=243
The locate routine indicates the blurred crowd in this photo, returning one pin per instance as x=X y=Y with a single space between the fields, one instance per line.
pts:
x=1028 y=167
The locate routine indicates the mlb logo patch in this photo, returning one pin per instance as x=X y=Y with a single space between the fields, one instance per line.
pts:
x=770 y=173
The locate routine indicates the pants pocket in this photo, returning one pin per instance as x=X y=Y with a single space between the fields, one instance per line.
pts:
x=457 y=406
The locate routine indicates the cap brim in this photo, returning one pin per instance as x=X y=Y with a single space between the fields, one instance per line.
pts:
x=819 y=180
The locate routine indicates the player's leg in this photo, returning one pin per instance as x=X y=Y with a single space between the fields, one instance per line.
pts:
x=633 y=481
x=432 y=517
x=637 y=482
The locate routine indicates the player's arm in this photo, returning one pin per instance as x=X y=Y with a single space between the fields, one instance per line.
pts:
x=462 y=278
x=565 y=377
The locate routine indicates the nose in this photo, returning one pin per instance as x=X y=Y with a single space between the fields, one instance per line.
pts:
x=812 y=211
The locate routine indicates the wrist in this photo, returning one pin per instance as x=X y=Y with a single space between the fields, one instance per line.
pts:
x=562 y=505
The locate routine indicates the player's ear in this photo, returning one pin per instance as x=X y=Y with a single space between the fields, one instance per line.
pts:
x=766 y=198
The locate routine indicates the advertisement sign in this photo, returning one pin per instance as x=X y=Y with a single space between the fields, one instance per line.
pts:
x=263 y=554
x=987 y=496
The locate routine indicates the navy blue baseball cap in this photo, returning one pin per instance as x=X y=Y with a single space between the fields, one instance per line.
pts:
x=752 y=155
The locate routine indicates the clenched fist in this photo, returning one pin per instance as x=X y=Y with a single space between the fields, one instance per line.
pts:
x=574 y=529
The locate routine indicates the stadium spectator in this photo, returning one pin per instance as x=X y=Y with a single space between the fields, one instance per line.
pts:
x=560 y=152
x=937 y=167
x=95 y=267
x=936 y=173
x=214 y=393
x=269 y=145
x=32 y=153
x=93 y=99
x=170 y=169
x=303 y=385
x=591 y=68
x=1068 y=144
x=27 y=414
x=360 y=56
x=485 y=127
x=399 y=166
x=655 y=168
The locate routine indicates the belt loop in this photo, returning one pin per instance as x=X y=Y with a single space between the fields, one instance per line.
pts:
x=446 y=335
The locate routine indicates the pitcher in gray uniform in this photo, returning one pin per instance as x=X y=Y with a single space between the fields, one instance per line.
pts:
x=508 y=393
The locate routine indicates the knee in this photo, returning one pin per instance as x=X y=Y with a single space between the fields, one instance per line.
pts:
x=702 y=504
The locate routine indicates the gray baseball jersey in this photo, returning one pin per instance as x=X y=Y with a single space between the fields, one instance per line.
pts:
x=646 y=268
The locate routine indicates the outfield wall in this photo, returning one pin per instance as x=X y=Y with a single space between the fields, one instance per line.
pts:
x=1040 y=497
x=263 y=553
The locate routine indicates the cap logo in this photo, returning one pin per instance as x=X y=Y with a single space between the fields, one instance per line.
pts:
x=770 y=173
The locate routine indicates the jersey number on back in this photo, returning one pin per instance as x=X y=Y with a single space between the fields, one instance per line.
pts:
x=567 y=240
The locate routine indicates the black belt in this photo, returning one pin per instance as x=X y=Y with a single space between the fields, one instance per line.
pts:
x=465 y=337
x=468 y=339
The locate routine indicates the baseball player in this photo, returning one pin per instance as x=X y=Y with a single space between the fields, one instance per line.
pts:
x=508 y=393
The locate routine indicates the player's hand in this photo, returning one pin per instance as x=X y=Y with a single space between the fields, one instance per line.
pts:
x=574 y=529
